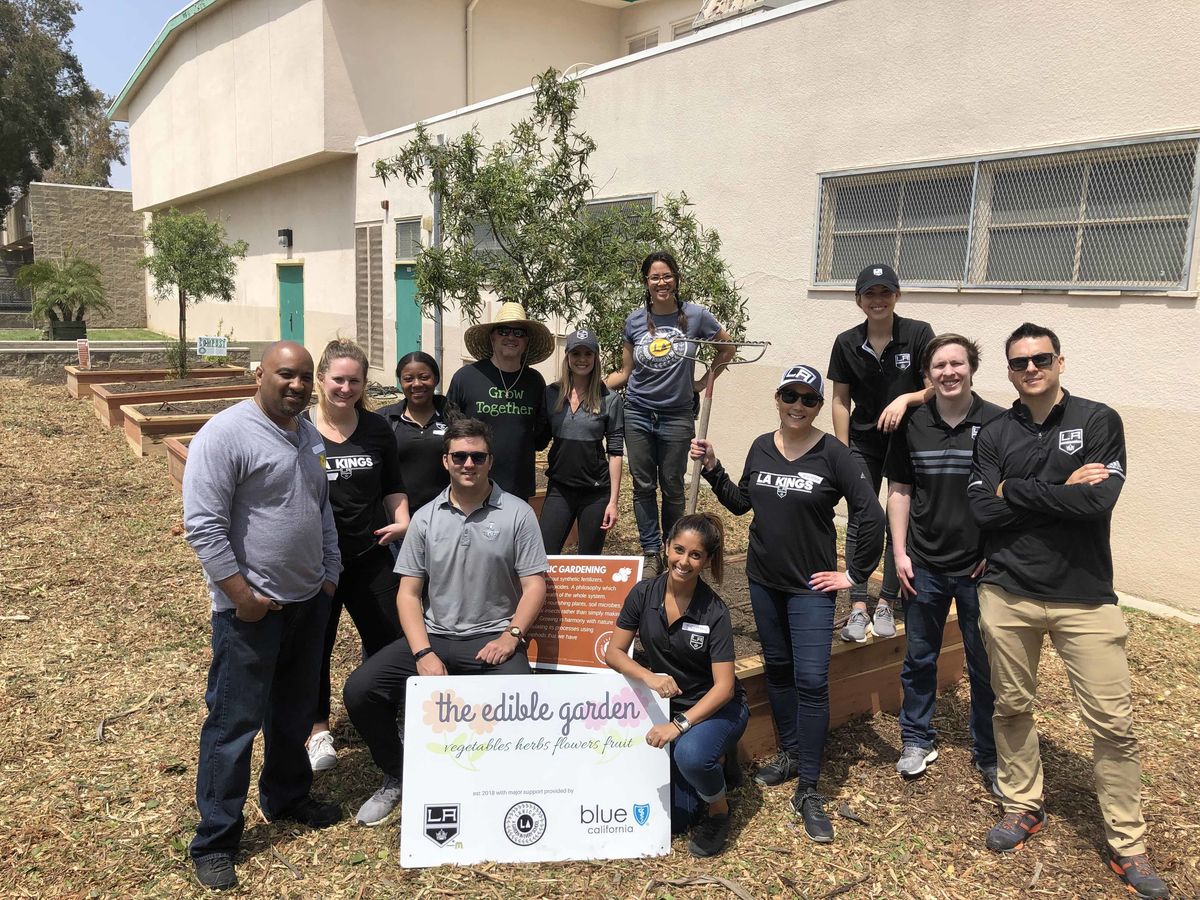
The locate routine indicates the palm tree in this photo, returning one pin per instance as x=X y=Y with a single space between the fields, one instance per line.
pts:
x=64 y=290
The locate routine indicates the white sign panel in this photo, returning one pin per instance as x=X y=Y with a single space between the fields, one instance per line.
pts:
x=532 y=768
x=207 y=345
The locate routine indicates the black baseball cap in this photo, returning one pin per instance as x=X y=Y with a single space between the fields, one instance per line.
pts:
x=583 y=338
x=877 y=273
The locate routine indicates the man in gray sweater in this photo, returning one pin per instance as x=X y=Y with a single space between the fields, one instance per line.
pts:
x=256 y=509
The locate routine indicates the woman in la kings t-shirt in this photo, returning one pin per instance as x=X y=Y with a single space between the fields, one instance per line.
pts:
x=370 y=510
x=793 y=479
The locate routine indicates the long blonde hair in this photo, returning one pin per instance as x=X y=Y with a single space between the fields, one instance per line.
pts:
x=342 y=348
x=591 y=394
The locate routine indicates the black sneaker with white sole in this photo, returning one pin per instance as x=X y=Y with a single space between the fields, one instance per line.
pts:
x=216 y=872
x=780 y=768
x=810 y=807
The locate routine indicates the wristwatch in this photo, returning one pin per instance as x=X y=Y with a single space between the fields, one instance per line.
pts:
x=516 y=632
x=681 y=722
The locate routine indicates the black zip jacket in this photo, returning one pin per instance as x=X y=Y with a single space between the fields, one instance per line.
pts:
x=1046 y=539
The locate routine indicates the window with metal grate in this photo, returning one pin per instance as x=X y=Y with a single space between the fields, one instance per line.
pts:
x=408 y=239
x=1115 y=217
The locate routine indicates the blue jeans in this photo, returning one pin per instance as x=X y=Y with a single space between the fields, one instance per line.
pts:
x=697 y=776
x=263 y=676
x=656 y=445
x=924 y=623
x=796 y=632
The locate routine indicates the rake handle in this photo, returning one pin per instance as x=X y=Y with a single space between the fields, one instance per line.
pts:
x=701 y=433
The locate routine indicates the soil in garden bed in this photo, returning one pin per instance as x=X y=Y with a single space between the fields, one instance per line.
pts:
x=133 y=387
x=138 y=364
x=186 y=408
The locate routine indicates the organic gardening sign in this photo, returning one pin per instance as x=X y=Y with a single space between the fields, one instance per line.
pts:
x=532 y=768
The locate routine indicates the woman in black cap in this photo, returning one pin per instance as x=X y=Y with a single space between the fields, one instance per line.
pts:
x=793 y=479
x=875 y=367
x=588 y=428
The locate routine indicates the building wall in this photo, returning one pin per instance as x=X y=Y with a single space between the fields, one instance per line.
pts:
x=318 y=205
x=787 y=97
x=99 y=225
x=657 y=14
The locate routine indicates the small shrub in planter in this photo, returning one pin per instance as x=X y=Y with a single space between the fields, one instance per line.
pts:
x=64 y=292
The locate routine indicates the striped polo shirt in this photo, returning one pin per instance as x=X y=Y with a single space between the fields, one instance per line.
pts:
x=935 y=460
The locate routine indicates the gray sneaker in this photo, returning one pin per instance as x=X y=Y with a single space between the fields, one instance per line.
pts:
x=989 y=776
x=883 y=624
x=914 y=759
x=856 y=627
x=382 y=803
x=651 y=565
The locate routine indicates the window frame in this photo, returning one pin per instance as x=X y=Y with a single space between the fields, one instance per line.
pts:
x=689 y=23
x=642 y=36
x=407 y=220
x=975 y=258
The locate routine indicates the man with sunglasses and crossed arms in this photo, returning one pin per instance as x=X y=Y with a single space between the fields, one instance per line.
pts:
x=476 y=553
x=1044 y=480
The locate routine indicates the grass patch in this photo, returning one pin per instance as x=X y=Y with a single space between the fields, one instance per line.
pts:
x=94 y=334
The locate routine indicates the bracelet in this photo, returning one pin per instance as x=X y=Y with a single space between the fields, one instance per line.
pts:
x=420 y=654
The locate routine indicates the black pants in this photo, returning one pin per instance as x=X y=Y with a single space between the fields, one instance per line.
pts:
x=563 y=506
x=870 y=454
x=367 y=589
x=375 y=691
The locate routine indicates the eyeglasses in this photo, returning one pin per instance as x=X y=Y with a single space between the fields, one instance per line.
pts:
x=660 y=279
x=788 y=396
x=460 y=457
x=1021 y=363
x=509 y=331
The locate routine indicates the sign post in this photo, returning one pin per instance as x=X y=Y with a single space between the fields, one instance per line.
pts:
x=528 y=768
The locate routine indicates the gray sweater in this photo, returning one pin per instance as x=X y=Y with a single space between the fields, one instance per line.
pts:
x=256 y=501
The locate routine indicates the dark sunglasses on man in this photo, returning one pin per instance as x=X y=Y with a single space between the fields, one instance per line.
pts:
x=510 y=331
x=788 y=396
x=460 y=457
x=1021 y=363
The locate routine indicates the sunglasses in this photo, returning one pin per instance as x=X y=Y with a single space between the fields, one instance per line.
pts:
x=460 y=457
x=509 y=331
x=787 y=395
x=1021 y=363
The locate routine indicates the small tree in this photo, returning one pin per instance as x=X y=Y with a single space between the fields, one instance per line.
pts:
x=192 y=262
x=516 y=222
x=64 y=290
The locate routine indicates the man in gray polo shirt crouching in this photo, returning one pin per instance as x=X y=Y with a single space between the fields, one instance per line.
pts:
x=477 y=553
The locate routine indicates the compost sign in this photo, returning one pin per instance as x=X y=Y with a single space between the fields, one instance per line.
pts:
x=584 y=594
x=212 y=345
x=532 y=768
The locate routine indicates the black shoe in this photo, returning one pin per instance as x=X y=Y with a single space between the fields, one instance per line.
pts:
x=810 y=806
x=312 y=812
x=1139 y=876
x=215 y=872
x=709 y=837
x=782 y=767
x=1011 y=832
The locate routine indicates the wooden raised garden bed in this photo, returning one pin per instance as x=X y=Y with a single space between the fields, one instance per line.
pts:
x=80 y=381
x=148 y=425
x=176 y=448
x=109 y=398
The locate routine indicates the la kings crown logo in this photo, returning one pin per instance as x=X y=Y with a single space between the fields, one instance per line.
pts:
x=1070 y=440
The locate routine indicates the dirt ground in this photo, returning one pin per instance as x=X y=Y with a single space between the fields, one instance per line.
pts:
x=104 y=631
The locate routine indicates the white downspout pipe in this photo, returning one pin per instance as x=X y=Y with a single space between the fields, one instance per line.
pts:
x=470 y=61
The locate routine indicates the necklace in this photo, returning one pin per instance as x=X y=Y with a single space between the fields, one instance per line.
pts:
x=508 y=389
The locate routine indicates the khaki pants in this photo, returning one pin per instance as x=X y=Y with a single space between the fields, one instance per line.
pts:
x=1090 y=640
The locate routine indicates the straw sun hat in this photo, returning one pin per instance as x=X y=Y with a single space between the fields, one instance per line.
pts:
x=479 y=337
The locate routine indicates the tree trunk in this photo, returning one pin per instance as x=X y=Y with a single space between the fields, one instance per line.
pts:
x=183 y=354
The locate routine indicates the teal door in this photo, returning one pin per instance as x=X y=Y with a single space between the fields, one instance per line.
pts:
x=291 y=303
x=408 y=314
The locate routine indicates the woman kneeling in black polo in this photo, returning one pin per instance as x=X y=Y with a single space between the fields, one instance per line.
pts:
x=686 y=636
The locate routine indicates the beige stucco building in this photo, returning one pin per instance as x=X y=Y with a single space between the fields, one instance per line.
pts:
x=1018 y=161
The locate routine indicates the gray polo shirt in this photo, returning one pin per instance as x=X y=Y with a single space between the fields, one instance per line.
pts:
x=472 y=565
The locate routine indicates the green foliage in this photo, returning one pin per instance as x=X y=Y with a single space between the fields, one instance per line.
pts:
x=526 y=199
x=42 y=89
x=93 y=144
x=64 y=290
x=192 y=262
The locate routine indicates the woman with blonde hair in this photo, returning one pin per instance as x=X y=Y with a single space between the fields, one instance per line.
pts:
x=370 y=509
x=588 y=424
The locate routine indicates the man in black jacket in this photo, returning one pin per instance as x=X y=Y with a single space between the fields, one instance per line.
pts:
x=1044 y=480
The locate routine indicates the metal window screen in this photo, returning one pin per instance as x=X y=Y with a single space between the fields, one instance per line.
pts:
x=1115 y=217
x=632 y=207
x=642 y=42
x=408 y=239
x=368 y=290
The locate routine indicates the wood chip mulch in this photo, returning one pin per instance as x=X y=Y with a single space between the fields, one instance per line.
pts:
x=103 y=655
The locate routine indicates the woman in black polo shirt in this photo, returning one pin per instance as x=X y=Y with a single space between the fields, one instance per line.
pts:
x=370 y=509
x=687 y=655
x=793 y=479
x=418 y=422
x=876 y=367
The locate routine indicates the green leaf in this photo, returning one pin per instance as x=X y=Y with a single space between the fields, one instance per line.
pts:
x=357 y=857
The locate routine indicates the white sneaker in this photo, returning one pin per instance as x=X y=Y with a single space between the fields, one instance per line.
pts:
x=381 y=804
x=321 y=754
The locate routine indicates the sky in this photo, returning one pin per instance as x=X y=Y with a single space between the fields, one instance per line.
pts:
x=110 y=38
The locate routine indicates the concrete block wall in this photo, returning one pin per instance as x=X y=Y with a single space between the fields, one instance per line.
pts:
x=100 y=225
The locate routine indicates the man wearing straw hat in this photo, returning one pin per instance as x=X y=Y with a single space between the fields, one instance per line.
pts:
x=502 y=391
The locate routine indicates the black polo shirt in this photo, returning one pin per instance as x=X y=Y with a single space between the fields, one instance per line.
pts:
x=420 y=449
x=875 y=381
x=687 y=649
x=1046 y=539
x=935 y=460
